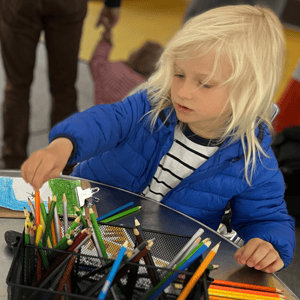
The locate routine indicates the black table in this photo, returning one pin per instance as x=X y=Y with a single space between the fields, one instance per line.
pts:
x=155 y=217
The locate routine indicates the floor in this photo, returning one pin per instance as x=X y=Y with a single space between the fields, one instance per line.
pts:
x=135 y=26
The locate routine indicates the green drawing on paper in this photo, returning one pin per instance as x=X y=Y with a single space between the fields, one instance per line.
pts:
x=63 y=186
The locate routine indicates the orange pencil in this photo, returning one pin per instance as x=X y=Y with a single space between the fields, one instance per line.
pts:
x=37 y=208
x=244 y=291
x=241 y=296
x=219 y=298
x=247 y=286
x=185 y=292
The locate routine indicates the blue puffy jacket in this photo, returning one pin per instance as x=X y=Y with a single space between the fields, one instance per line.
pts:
x=115 y=146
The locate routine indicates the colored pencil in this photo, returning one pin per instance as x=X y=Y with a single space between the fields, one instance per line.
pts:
x=43 y=255
x=48 y=224
x=184 y=250
x=113 y=212
x=56 y=266
x=250 y=293
x=98 y=233
x=66 y=274
x=242 y=296
x=113 y=271
x=26 y=212
x=56 y=223
x=38 y=236
x=37 y=208
x=94 y=238
x=121 y=214
x=31 y=208
x=134 y=259
x=247 y=286
x=82 y=219
x=62 y=244
x=44 y=227
x=187 y=289
x=171 y=276
x=27 y=258
x=141 y=233
x=153 y=277
x=65 y=213
x=43 y=211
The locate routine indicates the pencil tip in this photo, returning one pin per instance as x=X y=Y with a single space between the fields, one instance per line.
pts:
x=125 y=244
x=136 y=222
x=216 y=247
x=207 y=244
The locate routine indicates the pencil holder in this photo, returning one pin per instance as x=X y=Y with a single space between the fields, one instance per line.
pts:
x=44 y=273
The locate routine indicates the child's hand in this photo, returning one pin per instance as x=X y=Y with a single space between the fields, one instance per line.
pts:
x=47 y=163
x=259 y=254
x=108 y=17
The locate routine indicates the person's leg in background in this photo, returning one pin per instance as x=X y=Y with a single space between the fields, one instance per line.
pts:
x=63 y=27
x=20 y=28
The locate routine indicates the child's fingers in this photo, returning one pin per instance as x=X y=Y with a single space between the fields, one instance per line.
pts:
x=41 y=175
x=264 y=253
x=29 y=168
x=275 y=266
x=267 y=260
x=245 y=252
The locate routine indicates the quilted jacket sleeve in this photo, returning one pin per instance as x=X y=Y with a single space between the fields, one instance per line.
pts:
x=261 y=211
x=101 y=127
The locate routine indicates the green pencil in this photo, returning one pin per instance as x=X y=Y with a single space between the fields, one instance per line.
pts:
x=27 y=255
x=49 y=220
x=43 y=211
x=121 y=214
x=63 y=242
x=82 y=219
x=43 y=256
x=98 y=233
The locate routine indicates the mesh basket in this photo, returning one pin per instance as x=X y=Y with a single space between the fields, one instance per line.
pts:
x=76 y=274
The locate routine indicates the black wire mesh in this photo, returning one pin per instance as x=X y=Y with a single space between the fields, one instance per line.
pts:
x=76 y=274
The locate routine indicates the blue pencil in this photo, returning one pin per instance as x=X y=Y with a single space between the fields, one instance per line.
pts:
x=112 y=272
x=114 y=211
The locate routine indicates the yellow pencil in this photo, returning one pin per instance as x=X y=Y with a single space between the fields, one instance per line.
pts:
x=198 y=272
x=38 y=234
x=242 y=296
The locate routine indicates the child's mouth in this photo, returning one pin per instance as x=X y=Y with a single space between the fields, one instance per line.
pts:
x=182 y=109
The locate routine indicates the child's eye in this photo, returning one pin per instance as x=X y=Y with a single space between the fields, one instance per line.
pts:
x=205 y=85
x=179 y=75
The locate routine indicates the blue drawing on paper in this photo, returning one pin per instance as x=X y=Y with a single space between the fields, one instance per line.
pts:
x=7 y=195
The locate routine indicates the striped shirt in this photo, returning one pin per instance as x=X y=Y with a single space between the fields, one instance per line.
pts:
x=187 y=153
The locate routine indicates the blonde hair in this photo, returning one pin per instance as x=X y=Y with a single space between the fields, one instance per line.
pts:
x=252 y=39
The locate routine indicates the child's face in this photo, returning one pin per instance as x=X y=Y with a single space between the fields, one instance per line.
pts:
x=200 y=107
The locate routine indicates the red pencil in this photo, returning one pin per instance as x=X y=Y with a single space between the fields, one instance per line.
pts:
x=245 y=291
x=247 y=286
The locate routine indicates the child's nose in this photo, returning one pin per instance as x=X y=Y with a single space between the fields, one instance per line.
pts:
x=185 y=91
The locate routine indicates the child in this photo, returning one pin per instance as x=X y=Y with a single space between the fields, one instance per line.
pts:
x=114 y=80
x=197 y=136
